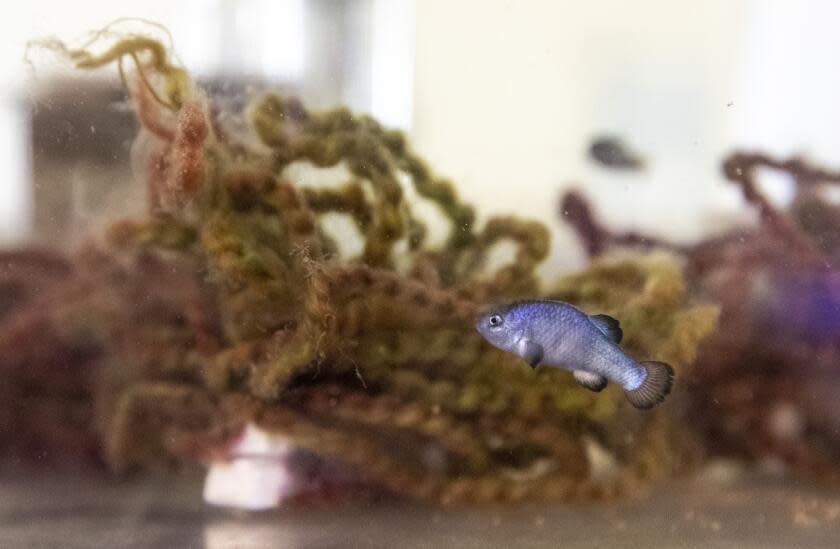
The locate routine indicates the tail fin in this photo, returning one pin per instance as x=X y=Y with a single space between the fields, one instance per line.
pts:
x=654 y=388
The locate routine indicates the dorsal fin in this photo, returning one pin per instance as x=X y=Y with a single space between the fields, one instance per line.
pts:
x=609 y=326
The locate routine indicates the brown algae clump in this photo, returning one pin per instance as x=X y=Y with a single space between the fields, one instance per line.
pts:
x=230 y=304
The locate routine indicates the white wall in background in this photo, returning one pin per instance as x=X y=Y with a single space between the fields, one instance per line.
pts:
x=788 y=83
x=15 y=193
x=504 y=96
x=509 y=94
x=392 y=62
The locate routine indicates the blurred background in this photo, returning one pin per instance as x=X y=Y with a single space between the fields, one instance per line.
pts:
x=635 y=104
x=505 y=97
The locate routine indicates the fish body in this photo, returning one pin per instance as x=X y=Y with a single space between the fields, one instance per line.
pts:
x=559 y=334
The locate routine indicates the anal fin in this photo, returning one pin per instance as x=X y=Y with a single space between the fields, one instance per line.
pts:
x=593 y=382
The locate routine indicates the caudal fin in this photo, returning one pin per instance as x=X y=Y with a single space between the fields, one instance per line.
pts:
x=654 y=388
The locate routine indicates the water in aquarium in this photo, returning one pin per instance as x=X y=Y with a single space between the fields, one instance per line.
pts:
x=395 y=273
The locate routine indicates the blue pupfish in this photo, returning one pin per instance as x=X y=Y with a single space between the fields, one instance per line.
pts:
x=561 y=335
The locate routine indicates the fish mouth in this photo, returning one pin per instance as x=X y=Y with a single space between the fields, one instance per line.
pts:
x=480 y=316
x=477 y=324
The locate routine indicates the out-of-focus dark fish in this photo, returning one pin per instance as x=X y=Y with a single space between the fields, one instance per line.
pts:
x=561 y=335
x=611 y=152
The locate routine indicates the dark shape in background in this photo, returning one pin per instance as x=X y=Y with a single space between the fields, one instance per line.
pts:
x=612 y=152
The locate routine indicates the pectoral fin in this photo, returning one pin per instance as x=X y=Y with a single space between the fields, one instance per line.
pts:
x=532 y=352
x=593 y=382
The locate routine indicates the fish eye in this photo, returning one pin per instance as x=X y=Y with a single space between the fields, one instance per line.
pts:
x=495 y=320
